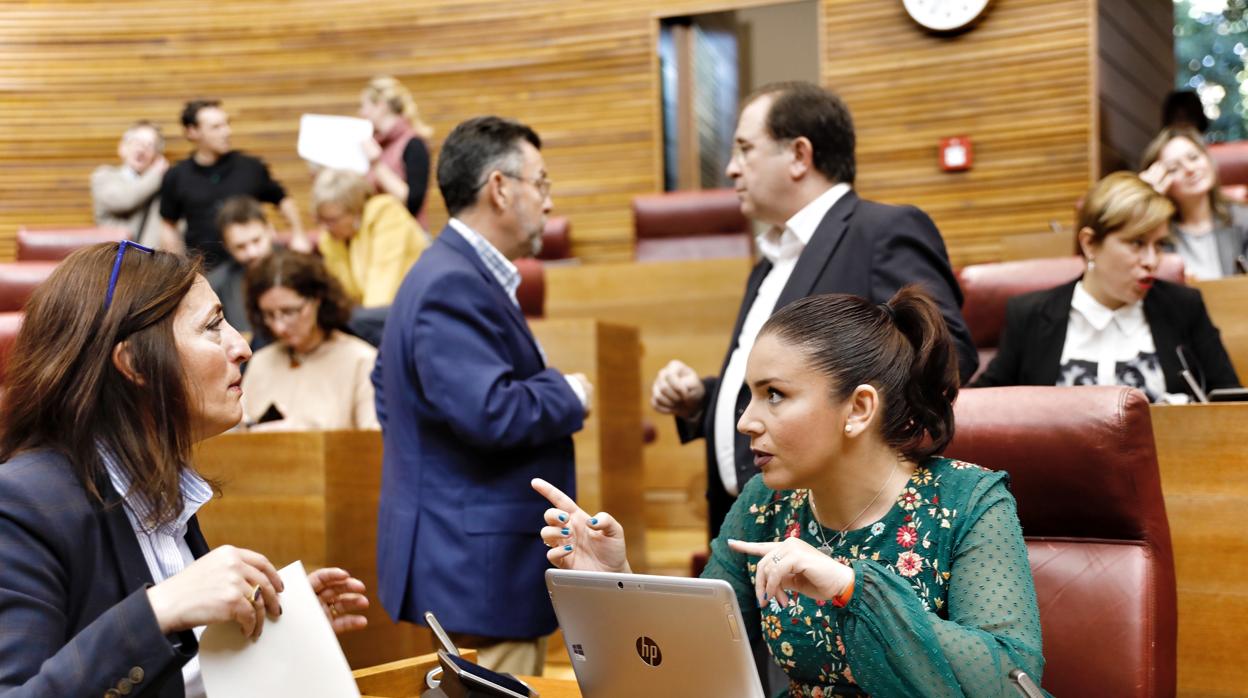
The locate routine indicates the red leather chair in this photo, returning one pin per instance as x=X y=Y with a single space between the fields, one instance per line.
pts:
x=987 y=287
x=55 y=244
x=1083 y=468
x=704 y=224
x=18 y=280
x=556 y=239
x=10 y=323
x=1231 y=160
x=532 y=290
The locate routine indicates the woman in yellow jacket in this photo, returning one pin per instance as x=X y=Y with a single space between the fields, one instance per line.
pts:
x=369 y=241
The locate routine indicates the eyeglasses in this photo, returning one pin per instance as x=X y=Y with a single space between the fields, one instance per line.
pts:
x=283 y=314
x=112 y=278
x=542 y=183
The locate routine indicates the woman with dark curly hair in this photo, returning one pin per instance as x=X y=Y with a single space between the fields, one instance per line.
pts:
x=314 y=376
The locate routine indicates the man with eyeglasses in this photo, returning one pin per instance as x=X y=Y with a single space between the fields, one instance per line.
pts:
x=793 y=167
x=470 y=412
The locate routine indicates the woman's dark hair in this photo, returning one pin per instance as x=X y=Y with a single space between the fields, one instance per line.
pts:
x=902 y=348
x=304 y=274
x=64 y=393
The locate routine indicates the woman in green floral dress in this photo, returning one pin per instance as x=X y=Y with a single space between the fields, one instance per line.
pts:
x=869 y=564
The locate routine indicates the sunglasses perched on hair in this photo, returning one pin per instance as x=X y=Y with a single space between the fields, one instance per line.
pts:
x=112 y=278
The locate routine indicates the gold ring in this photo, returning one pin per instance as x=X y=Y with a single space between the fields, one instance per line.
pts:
x=255 y=593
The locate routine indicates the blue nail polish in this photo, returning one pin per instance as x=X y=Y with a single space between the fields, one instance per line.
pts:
x=568 y=548
x=564 y=531
x=593 y=522
x=562 y=517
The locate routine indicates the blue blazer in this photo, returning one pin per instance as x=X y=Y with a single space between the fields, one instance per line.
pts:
x=469 y=414
x=74 y=614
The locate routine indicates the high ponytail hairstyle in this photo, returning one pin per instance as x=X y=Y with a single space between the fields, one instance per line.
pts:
x=902 y=348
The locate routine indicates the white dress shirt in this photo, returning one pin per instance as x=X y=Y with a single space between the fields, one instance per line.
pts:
x=781 y=247
x=164 y=548
x=1110 y=347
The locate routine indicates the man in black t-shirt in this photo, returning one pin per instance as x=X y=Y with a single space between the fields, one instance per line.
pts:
x=194 y=188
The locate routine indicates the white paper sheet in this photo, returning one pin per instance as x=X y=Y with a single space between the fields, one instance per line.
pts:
x=334 y=141
x=296 y=656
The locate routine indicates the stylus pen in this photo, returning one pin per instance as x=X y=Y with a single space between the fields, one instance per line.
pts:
x=1026 y=686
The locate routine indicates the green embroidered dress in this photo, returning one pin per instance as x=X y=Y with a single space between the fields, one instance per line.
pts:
x=943 y=601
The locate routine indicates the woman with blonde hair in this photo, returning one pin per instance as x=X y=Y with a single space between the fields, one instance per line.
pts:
x=1210 y=233
x=1117 y=324
x=368 y=241
x=399 y=151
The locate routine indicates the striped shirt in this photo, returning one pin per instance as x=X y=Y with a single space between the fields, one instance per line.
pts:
x=164 y=547
x=504 y=272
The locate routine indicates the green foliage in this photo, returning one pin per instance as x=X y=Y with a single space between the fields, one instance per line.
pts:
x=1210 y=48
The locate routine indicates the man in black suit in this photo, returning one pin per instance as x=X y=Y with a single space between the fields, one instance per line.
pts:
x=793 y=165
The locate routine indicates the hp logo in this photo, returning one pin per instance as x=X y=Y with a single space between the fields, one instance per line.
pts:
x=649 y=651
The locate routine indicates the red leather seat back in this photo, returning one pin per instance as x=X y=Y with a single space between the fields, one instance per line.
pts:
x=10 y=323
x=987 y=287
x=1231 y=159
x=705 y=224
x=18 y=280
x=55 y=244
x=532 y=290
x=1083 y=469
x=556 y=239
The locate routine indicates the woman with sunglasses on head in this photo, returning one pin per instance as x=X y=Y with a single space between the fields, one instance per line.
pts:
x=123 y=363
x=866 y=561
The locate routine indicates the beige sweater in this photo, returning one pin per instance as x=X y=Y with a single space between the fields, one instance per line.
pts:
x=329 y=390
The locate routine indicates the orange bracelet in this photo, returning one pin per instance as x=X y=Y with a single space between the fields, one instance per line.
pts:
x=842 y=599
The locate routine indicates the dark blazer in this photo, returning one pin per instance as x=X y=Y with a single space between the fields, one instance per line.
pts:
x=74 y=614
x=469 y=414
x=1035 y=334
x=860 y=247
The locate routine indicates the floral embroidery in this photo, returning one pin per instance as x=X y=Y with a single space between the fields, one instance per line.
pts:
x=909 y=564
x=912 y=541
x=907 y=536
x=909 y=499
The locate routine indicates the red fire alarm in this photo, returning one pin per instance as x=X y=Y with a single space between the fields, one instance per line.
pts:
x=955 y=153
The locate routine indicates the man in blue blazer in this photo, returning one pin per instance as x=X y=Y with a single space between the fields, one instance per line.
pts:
x=470 y=412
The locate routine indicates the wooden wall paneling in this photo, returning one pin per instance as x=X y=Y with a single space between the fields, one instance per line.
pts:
x=1135 y=47
x=1016 y=83
x=584 y=74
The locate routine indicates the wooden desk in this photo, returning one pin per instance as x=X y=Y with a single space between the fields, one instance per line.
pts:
x=683 y=310
x=313 y=496
x=1201 y=453
x=1227 y=301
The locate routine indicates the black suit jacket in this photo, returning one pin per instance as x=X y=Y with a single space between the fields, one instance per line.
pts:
x=1035 y=334
x=860 y=247
x=74 y=614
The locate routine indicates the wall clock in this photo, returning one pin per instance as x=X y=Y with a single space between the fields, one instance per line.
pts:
x=945 y=15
